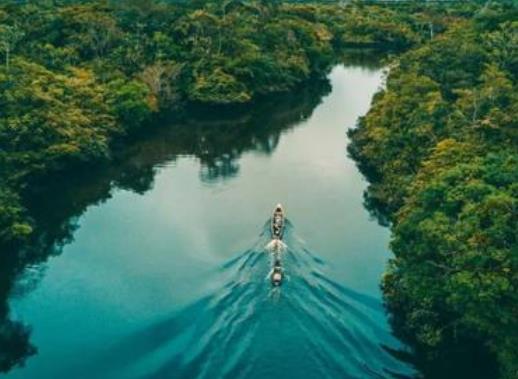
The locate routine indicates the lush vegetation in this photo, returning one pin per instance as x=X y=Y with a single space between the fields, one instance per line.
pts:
x=217 y=139
x=77 y=76
x=439 y=145
x=440 y=148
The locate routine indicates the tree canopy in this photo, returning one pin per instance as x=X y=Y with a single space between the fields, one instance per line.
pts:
x=440 y=148
x=439 y=145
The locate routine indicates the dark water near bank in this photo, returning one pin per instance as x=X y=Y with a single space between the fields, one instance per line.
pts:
x=155 y=266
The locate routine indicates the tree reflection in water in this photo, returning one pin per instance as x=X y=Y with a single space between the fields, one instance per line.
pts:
x=216 y=137
x=15 y=346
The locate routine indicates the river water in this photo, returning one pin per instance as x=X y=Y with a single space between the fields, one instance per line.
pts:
x=155 y=265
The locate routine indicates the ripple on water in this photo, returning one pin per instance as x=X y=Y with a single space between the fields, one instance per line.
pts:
x=328 y=330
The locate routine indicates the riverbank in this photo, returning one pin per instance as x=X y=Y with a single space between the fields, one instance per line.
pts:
x=439 y=147
x=77 y=78
x=132 y=245
x=80 y=79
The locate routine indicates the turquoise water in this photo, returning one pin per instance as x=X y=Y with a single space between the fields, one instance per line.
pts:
x=159 y=269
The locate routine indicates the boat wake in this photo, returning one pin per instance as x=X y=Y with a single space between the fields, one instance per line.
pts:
x=311 y=327
x=275 y=245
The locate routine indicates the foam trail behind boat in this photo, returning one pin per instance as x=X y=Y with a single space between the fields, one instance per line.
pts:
x=276 y=245
x=317 y=327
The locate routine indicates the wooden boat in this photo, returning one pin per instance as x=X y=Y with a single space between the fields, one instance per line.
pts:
x=278 y=223
x=277 y=230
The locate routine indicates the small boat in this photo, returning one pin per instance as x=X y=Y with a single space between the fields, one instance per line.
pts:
x=277 y=274
x=278 y=223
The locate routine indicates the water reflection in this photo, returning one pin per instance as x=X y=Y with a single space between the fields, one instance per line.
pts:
x=15 y=346
x=216 y=137
x=310 y=327
x=366 y=58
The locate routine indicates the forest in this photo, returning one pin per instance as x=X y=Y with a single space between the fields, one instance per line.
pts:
x=439 y=146
x=440 y=149
x=75 y=78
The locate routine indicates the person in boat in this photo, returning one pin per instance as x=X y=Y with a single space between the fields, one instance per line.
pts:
x=277 y=277
x=277 y=274
x=277 y=221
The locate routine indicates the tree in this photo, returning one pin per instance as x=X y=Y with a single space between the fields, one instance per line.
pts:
x=160 y=78
x=9 y=37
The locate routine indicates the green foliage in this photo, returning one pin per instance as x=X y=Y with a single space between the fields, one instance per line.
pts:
x=218 y=87
x=440 y=148
x=14 y=224
x=439 y=144
x=77 y=75
x=129 y=102
x=9 y=37
x=49 y=118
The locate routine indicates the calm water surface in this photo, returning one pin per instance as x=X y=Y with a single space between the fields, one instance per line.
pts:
x=158 y=267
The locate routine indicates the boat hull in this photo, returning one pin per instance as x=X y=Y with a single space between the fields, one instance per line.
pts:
x=278 y=223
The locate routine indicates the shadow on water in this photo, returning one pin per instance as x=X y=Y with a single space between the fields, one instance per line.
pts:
x=15 y=346
x=370 y=59
x=310 y=327
x=216 y=138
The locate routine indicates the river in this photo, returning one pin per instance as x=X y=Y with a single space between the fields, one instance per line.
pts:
x=155 y=265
